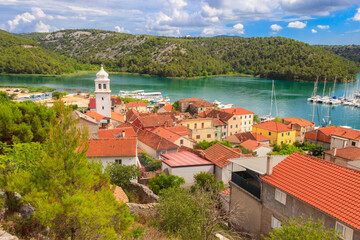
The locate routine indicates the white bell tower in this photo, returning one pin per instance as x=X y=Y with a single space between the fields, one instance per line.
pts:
x=102 y=93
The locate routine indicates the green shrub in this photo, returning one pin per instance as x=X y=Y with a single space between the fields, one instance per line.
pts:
x=159 y=183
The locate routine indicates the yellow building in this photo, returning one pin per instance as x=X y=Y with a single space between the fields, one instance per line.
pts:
x=277 y=132
x=202 y=129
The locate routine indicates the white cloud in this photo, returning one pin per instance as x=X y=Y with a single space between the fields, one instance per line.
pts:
x=26 y=18
x=239 y=28
x=313 y=31
x=275 y=27
x=121 y=29
x=357 y=15
x=23 y=18
x=94 y=11
x=37 y=12
x=323 y=26
x=41 y=27
x=61 y=17
x=297 y=24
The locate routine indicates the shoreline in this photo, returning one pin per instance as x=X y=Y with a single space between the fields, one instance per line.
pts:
x=79 y=73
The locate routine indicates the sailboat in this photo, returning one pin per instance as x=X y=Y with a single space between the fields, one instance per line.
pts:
x=334 y=101
x=273 y=100
x=314 y=97
x=324 y=99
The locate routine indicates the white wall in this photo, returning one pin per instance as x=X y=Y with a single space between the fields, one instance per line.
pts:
x=188 y=172
x=262 y=151
x=125 y=160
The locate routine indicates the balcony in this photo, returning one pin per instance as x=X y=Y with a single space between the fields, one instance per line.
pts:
x=247 y=182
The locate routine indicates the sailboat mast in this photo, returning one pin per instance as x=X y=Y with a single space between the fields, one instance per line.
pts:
x=334 y=86
x=324 y=87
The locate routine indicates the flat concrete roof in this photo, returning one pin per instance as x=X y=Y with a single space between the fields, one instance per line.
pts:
x=257 y=164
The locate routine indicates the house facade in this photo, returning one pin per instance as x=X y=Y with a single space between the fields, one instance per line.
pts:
x=201 y=129
x=344 y=137
x=320 y=136
x=140 y=107
x=278 y=133
x=194 y=105
x=301 y=126
x=348 y=156
x=260 y=202
x=174 y=137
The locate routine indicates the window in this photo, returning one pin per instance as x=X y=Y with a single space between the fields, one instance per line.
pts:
x=240 y=117
x=200 y=109
x=288 y=133
x=187 y=125
x=118 y=161
x=289 y=141
x=181 y=142
x=234 y=118
x=236 y=126
x=282 y=142
x=275 y=223
x=344 y=232
x=269 y=133
x=215 y=134
x=197 y=136
x=230 y=134
x=102 y=107
x=249 y=122
x=245 y=116
x=102 y=98
x=225 y=127
x=99 y=86
x=224 y=134
x=280 y=196
x=230 y=126
x=260 y=133
x=202 y=125
x=209 y=136
x=104 y=85
x=282 y=134
x=353 y=143
x=195 y=125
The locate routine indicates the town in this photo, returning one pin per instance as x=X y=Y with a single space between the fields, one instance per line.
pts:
x=272 y=170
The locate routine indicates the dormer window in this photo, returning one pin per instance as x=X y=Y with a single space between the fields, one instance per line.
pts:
x=104 y=85
x=99 y=86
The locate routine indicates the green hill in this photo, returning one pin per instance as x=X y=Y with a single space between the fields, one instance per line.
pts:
x=272 y=57
x=21 y=55
x=351 y=52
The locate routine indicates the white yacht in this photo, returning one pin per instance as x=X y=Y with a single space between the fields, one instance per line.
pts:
x=153 y=97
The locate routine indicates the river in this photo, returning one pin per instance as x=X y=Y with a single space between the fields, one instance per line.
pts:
x=248 y=92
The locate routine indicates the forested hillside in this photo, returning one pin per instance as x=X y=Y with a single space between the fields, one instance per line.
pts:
x=20 y=55
x=351 y=52
x=273 y=57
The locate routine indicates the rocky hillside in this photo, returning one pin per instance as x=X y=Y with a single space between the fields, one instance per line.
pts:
x=272 y=57
x=21 y=55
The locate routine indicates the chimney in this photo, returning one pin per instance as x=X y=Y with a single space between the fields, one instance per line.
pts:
x=269 y=165
x=123 y=133
x=334 y=151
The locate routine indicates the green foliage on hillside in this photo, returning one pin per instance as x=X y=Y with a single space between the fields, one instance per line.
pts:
x=21 y=55
x=203 y=145
x=272 y=57
x=351 y=52
x=159 y=183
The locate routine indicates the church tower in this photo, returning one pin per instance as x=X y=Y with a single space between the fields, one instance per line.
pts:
x=102 y=93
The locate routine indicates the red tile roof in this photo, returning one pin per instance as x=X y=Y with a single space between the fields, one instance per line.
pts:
x=321 y=134
x=204 y=114
x=184 y=159
x=163 y=132
x=168 y=107
x=116 y=132
x=219 y=154
x=117 y=117
x=273 y=126
x=223 y=116
x=135 y=104
x=155 y=141
x=193 y=99
x=112 y=147
x=348 y=153
x=251 y=144
x=156 y=121
x=116 y=100
x=197 y=102
x=218 y=122
x=299 y=121
x=237 y=111
x=119 y=194
x=347 y=133
x=327 y=186
x=95 y=115
x=260 y=138
x=131 y=115
x=92 y=103
x=181 y=130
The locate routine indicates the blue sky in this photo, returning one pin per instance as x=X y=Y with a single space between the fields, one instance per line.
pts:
x=311 y=21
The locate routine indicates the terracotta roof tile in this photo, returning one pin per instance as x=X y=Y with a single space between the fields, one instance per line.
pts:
x=181 y=130
x=168 y=107
x=131 y=115
x=135 y=104
x=117 y=116
x=348 y=153
x=237 y=111
x=219 y=154
x=251 y=144
x=193 y=99
x=112 y=147
x=273 y=126
x=347 y=133
x=95 y=115
x=299 y=121
x=197 y=102
x=321 y=134
x=155 y=141
x=116 y=132
x=218 y=122
x=260 y=138
x=119 y=194
x=183 y=159
x=329 y=187
x=92 y=103
x=223 y=116
x=165 y=133
x=156 y=121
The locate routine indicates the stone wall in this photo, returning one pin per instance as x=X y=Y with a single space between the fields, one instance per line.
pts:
x=144 y=193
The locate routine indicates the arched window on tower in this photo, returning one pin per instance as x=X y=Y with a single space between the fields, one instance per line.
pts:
x=99 y=85
x=104 y=85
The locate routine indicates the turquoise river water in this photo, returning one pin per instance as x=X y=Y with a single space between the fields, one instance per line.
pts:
x=247 y=92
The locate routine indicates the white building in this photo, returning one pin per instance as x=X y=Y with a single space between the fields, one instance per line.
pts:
x=102 y=93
